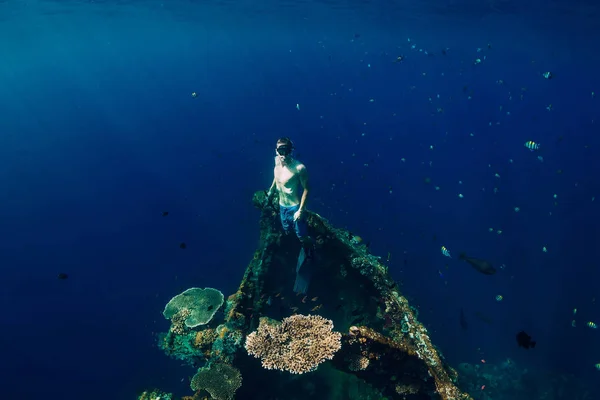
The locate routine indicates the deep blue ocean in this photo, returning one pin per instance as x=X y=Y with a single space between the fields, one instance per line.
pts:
x=411 y=118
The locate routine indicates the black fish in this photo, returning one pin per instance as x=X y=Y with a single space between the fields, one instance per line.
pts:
x=182 y=245
x=463 y=320
x=210 y=308
x=62 y=275
x=483 y=266
x=524 y=340
x=165 y=213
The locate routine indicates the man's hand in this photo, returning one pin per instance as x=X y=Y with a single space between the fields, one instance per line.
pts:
x=297 y=215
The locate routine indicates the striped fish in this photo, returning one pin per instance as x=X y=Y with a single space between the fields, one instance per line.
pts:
x=446 y=252
x=531 y=145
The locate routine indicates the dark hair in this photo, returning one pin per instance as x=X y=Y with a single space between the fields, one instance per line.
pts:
x=285 y=141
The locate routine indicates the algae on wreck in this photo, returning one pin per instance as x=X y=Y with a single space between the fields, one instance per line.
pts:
x=384 y=351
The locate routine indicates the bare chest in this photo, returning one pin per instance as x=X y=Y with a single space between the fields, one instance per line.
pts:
x=285 y=177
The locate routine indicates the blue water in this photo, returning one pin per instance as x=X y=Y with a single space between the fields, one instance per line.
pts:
x=99 y=134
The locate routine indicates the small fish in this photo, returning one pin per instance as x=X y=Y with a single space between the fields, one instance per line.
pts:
x=592 y=325
x=531 y=145
x=278 y=294
x=62 y=275
x=182 y=245
x=440 y=274
x=356 y=240
x=165 y=213
x=445 y=251
x=483 y=266
x=315 y=308
x=597 y=366
x=524 y=340
x=294 y=309
x=499 y=297
x=304 y=299
x=314 y=298
x=574 y=324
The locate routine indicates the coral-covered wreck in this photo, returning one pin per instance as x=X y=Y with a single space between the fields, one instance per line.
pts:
x=265 y=341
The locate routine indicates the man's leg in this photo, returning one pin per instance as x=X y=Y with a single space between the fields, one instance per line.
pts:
x=285 y=219
x=304 y=267
x=301 y=229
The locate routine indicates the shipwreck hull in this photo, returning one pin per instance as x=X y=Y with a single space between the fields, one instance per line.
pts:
x=385 y=352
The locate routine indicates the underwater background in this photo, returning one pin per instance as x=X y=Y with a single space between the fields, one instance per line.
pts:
x=411 y=117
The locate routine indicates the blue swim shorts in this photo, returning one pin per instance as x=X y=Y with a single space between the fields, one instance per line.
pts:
x=288 y=223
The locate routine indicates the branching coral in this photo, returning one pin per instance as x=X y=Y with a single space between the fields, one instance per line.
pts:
x=205 y=338
x=298 y=344
x=358 y=362
x=178 y=326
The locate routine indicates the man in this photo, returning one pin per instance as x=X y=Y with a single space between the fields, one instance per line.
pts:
x=289 y=177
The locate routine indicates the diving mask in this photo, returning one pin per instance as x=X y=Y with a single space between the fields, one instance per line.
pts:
x=284 y=150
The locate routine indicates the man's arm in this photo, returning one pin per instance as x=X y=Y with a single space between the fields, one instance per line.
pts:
x=270 y=191
x=305 y=186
